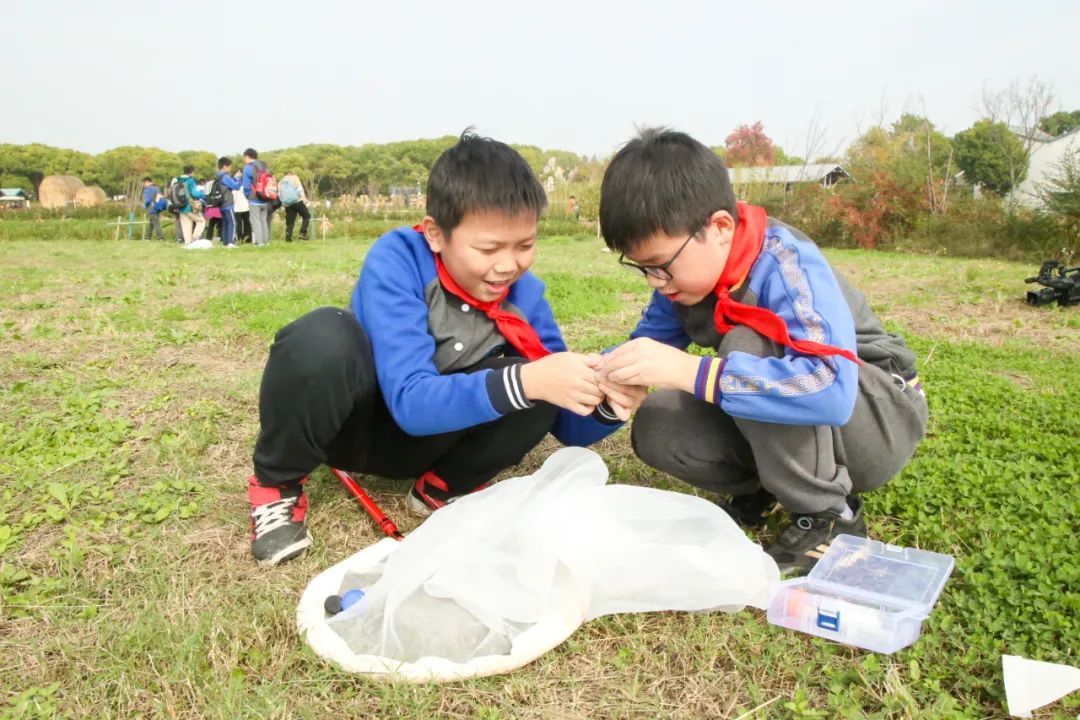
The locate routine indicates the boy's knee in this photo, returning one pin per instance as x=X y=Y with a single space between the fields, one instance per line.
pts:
x=531 y=425
x=325 y=337
x=654 y=428
x=515 y=435
x=544 y=414
x=742 y=338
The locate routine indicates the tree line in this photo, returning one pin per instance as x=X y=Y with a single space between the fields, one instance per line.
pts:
x=990 y=153
x=327 y=169
x=911 y=182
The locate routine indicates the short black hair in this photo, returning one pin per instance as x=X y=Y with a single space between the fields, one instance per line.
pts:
x=662 y=180
x=223 y=161
x=479 y=174
x=188 y=169
x=250 y=152
x=148 y=179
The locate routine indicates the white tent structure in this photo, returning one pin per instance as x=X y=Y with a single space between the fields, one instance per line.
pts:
x=1045 y=162
x=824 y=174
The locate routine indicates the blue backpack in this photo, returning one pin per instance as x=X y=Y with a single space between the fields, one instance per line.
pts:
x=289 y=192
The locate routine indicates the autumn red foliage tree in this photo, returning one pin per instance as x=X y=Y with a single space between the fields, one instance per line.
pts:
x=749 y=145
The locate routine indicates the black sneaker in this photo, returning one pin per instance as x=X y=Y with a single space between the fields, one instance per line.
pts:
x=803 y=543
x=277 y=523
x=750 y=511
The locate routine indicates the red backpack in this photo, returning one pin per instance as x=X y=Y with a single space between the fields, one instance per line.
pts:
x=264 y=186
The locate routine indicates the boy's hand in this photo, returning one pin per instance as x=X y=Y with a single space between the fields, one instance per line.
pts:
x=623 y=399
x=649 y=363
x=565 y=379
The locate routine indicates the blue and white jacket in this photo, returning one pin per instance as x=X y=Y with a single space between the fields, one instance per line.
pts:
x=231 y=184
x=149 y=195
x=792 y=279
x=423 y=337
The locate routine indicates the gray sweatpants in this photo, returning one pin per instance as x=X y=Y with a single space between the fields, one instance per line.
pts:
x=809 y=469
x=153 y=225
x=260 y=224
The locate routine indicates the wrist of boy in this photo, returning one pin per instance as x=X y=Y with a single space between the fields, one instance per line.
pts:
x=688 y=373
x=529 y=382
x=707 y=378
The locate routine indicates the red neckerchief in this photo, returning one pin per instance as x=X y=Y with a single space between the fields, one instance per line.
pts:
x=745 y=248
x=517 y=331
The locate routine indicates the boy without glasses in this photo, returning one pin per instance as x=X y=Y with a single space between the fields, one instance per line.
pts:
x=448 y=367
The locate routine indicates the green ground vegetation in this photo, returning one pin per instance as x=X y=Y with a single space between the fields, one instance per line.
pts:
x=129 y=374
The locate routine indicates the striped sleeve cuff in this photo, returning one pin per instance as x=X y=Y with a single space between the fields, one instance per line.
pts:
x=604 y=414
x=505 y=389
x=707 y=384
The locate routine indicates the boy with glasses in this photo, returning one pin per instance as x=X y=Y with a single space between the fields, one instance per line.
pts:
x=808 y=401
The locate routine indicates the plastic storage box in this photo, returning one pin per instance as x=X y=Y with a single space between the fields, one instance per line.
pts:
x=863 y=593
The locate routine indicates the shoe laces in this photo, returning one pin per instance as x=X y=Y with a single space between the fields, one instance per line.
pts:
x=272 y=515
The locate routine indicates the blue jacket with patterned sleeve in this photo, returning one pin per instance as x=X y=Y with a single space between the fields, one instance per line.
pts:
x=792 y=279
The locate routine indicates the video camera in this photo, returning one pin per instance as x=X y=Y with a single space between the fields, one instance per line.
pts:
x=1061 y=284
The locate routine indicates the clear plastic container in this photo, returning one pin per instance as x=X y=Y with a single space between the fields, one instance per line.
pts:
x=864 y=593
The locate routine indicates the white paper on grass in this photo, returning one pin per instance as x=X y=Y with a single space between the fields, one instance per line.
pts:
x=500 y=577
x=1030 y=684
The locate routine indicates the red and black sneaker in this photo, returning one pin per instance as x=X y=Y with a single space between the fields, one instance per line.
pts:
x=431 y=493
x=277 y=523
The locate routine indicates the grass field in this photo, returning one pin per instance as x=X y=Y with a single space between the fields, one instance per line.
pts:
x=129 y=375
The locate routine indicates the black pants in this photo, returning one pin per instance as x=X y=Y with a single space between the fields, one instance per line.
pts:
x=211 y=225
x=291 y=211
x=320 y=404
x=243 y=227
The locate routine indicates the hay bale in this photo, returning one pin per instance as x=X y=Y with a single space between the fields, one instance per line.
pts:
x=56 y=191
x=91 y=196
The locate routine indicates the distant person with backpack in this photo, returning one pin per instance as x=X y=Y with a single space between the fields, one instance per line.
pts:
x=241 y=211
x=174 y=211
x=260 y=189
x=154 y=202
x=291 y=194
x=185 y=195
x=227 y=185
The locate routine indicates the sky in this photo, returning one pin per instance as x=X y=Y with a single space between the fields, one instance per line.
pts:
x=580 y=76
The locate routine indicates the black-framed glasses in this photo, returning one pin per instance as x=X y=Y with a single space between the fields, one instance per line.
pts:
x=660 y=272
